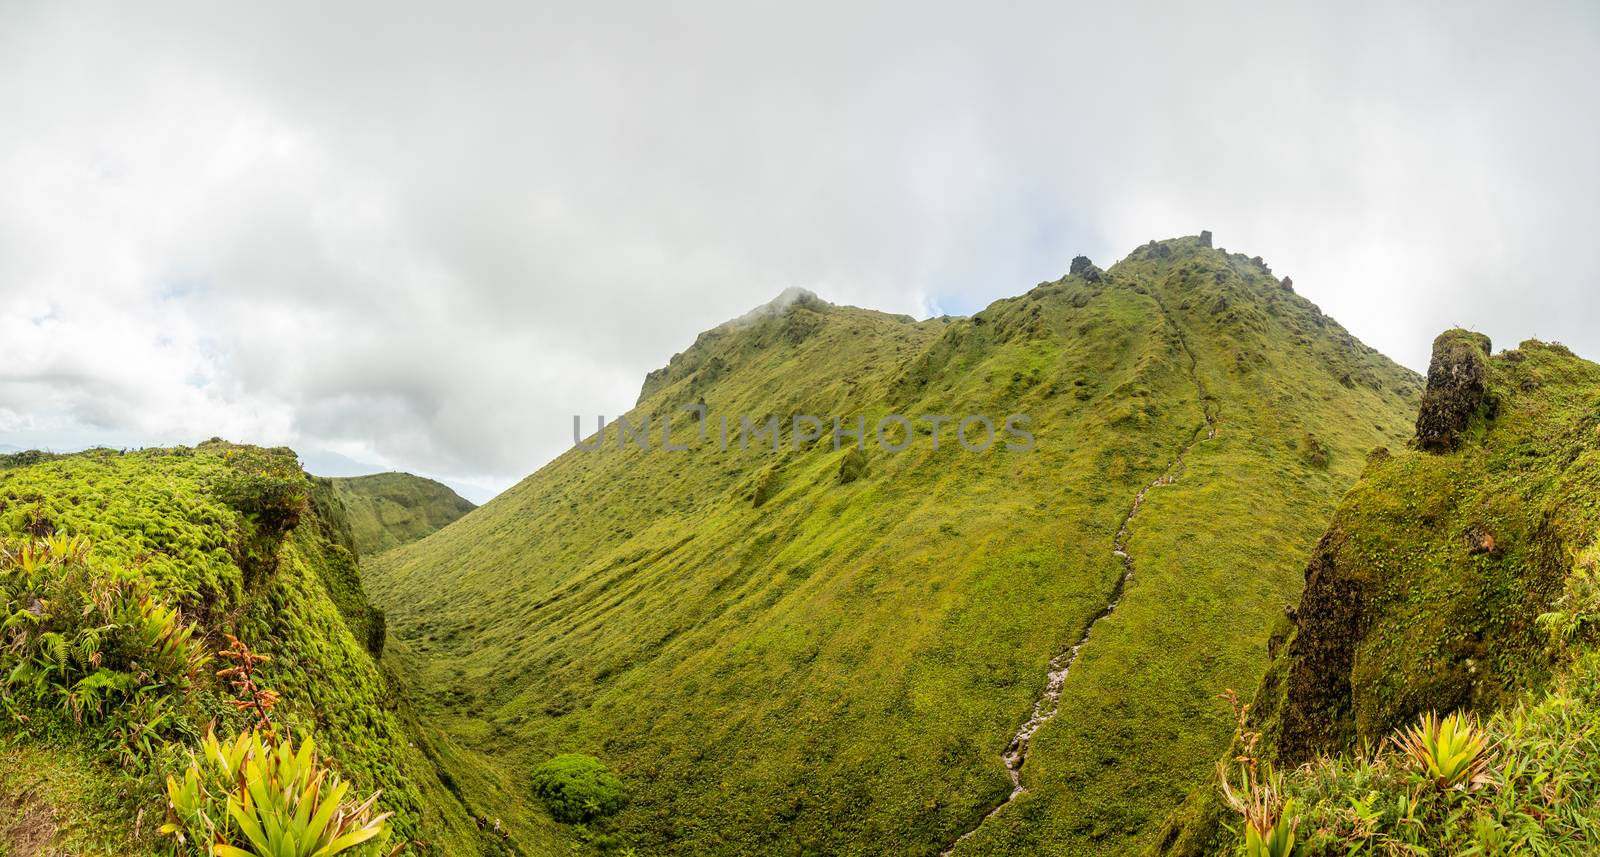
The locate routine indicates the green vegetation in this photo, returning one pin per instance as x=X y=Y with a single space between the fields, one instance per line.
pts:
x=578 y=788
x=1538 y=791
x=83 y=641
x=260 y=793
x=387 y=510
x=1257 y=793
x=802 y=651
x=1450 y=751
x=121 y=576
x=1456 y=576
x=818 y=650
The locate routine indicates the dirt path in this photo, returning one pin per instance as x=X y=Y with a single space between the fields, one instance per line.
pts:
x=1047 y=705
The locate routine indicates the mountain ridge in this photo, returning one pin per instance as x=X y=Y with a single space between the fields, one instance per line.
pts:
x=741 y=584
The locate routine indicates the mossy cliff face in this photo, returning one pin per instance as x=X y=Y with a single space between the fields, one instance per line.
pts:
x=1424 y=592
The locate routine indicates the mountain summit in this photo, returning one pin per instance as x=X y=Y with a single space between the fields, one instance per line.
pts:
x=804 y=646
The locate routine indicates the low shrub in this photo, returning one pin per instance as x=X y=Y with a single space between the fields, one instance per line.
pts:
x=90 y=641
x=853 y=466
x=578 y=788
x=273 y=502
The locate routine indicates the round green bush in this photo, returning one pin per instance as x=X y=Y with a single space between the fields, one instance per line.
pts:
x=577 y=788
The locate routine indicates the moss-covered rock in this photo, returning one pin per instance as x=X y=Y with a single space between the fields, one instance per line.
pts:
x=1458 y=389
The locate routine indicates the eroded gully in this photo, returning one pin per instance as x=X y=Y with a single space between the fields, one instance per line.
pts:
x=1048 y=704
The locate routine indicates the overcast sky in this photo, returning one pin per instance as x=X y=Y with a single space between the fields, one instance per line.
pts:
x=424 y=238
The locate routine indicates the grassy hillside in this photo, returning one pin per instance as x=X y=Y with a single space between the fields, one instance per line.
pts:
x=391 y=509
x=239 y=541
x=817 y=650
x=1426 y=594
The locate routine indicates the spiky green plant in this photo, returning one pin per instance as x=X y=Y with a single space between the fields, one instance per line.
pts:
x=1270 y=822
x=255 y=796
x=1451 y=751
x=1276 y=840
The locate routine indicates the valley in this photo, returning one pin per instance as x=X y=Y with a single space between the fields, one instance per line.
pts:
x=778 y=661
x=812 y=647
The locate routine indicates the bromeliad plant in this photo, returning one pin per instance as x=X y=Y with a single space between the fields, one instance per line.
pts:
x=1451 y=751
x=257 y=796
x=1270 y=822
x=250 y=695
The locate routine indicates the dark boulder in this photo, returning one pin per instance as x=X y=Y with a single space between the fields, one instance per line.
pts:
x=1458 y=389
x=1082 y=267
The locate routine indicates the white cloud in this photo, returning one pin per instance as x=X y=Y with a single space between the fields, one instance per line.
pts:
x=425 y=238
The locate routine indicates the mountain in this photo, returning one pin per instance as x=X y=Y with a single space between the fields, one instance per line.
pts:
x=122 y=576
x=390 y=509
x=1458 y=574
x=817 y=649
x=323 y=462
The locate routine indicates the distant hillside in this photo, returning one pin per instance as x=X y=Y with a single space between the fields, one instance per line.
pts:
x=391 y=509
x=237 y=540
x=1461 y=574
x=818 y=650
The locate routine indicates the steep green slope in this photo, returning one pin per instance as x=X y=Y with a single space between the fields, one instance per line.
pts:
x=391 y=509
x=1425 y=594
x=815 y=650
x=241 y=542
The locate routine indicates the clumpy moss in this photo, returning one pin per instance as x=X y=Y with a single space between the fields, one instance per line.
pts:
x=852 y=466
x=60 y=796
